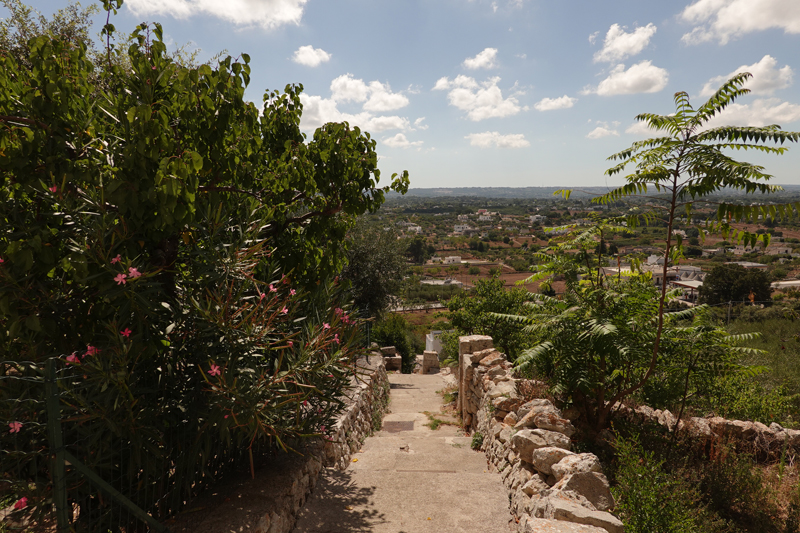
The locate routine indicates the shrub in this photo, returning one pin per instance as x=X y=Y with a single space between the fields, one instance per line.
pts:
x=477 y=440
x=394 y=330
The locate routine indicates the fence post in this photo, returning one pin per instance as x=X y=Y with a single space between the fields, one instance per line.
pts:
x=57 y=469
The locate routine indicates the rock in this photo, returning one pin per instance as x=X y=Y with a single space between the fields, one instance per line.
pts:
x=591 y=485
x=775 y=427
x=492 y=359
x=542 y=525
x=389 y=351
x=549 y=420
x=667 y=419
x=793 y=437
x=430 y=361
x=539 y=402
x=534 y=486
x=496 y=372
x=476 y=357
x=474 y=343
x=505 y=434
x=696 y=427
x=510 y=419
x=528 y=440
x=543 y=459
x=507 y=389
x=505 y=404
x=528 y=420
x=559 y=506
x=576 y=463
x=393 y=363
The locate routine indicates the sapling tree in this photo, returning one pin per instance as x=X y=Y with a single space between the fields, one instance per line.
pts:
x=690 y=162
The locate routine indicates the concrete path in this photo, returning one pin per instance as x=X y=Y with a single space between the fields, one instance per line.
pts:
x=409 y=478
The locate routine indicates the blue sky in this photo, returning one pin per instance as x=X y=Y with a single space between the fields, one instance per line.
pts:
x=512 y=93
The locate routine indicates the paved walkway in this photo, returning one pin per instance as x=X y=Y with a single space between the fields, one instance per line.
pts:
x=409 y=478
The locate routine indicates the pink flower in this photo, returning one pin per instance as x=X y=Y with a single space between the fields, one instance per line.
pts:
x=322 y=429
x=263 y=296
x=116 y=259
x=21 y=503
x=52 y=189
x=330 y=375
x=305 y=403
x=73 y=359
x=336 y=338
x=214 y=371
x=226 y=416
x=272 y=289
x=120 y=279
x=2 y=260
x=91 y=350
x=326 y=326
x=15 y=427
x=291 y=344
x=338 y=311
x=126 y=332
x=284 y=311
x=292 y=292
x=134 y=273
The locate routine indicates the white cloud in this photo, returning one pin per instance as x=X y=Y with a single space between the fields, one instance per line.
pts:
x=265 y=13
x=522 y=56
x=642 y=77
x=484 y=59
x=766 y=77
x=381 y=98
x=549 y=104
x=480 y=101
x=310 y=56
x=640 y=129
x=377 y=96
x=419 y=125
x=602 y=131
x=400 y=141
x=618 y=45
x=723 y=20
x=345 y=88
x=593 y=37
x=494 y=7
x=318 y=111
x=761 y=112
x=488 y=139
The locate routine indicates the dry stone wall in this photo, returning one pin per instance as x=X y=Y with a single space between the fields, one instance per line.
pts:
x=551 y=488
x=290 y=488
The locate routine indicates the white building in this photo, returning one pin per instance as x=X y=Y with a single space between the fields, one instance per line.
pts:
x=537 y=219
x=452 y=260
x=461 y=228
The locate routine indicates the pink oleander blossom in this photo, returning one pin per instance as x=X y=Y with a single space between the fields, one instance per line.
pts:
x=91 y=350
x=133 y=273
x=15 y=427
x=52 y=189
x=322 y=429
x=272 y=289
x=284 y=310
x=73 y=358
x=126 y=332
x=336 y=338
x=291 y=344
x=116 y=259
x=120 y=279
x=21 y=503
x=326 y=326
x=292 y=292
x=215 y=371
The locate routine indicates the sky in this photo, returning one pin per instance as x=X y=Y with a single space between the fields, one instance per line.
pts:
x=501 y=93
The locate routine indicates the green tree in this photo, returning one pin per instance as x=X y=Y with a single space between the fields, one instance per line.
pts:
x=478 y=314
x=688 y=163
x=417 y=250
x=375 y=267
x=734 y=283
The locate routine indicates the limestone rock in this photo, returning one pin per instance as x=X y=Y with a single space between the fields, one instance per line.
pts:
x=389 y=351
x=534 y=486
x=528 y=440
x=559 y=506
x=476 y=357
x=543 y=459
x=506 y=388
x=492 y=359
x=539 y=402
x=576 y=463
x=505 y=404
x=591 y=485
x=549 y=420
x=505 y=434
x=541 y=525
x=510 y=419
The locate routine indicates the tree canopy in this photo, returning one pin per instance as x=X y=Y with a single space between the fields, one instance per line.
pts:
x=734 y=283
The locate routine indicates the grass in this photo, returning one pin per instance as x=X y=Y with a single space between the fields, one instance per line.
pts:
x=781 y=342
x=434 y=422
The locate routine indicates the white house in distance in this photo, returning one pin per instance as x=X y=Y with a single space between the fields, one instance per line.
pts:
x=461 y=228
x=537 y=219
x=452 y=260
x=413 y=228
